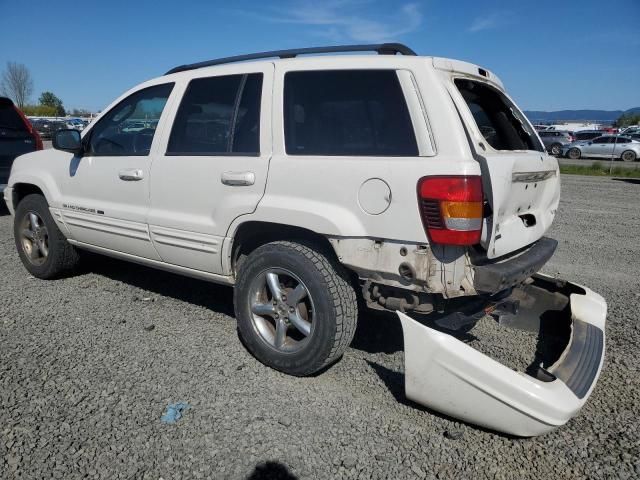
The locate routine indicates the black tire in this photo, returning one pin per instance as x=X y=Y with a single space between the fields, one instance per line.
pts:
x=334 y=306
x=62 y=258
x=628 y=156
x=556 y=149
x=574 y=153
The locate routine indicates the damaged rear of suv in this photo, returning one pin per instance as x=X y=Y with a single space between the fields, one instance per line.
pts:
x=305 y=181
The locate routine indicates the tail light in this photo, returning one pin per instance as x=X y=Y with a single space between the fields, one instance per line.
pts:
x=451 y=209
x=38 y=139
x=34 y=133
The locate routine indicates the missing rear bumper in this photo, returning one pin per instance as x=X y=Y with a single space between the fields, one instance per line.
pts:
x=449 y=376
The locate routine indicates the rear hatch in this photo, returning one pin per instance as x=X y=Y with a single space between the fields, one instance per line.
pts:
x=16 y=137
x=521 y=182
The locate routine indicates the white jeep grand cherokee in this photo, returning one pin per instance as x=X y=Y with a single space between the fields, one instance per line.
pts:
x=413 y=182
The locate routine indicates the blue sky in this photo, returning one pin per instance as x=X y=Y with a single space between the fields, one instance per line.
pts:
x=558 y=55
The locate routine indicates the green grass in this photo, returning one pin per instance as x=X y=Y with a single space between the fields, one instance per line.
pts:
x=601 y=170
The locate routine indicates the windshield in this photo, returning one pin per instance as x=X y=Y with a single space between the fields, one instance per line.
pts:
x=503 y=126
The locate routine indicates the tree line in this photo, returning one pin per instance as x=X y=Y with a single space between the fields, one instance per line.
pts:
x=17 y=84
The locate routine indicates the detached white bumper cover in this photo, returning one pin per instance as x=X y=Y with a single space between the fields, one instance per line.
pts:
x=448 y=376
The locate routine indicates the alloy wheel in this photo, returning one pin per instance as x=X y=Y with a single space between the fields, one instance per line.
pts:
x=282 y=310
x=34 y=238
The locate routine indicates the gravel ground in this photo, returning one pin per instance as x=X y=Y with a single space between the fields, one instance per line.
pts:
x=89 y=364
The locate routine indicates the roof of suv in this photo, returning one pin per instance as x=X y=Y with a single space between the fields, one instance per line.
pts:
x=380 y=48
x=395 y=51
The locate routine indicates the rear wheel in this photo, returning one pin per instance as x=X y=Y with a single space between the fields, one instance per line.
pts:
x=42 y=247
x=574 y=153
x=556 y=149
x=295 y=307
x=628 y=156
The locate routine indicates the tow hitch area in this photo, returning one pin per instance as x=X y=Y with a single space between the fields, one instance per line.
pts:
x=449 y=376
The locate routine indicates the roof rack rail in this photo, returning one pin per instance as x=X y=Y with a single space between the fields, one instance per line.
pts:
x=381 y=48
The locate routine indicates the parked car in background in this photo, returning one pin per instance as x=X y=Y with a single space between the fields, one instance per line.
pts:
x=75 y=124
x=134 y=127
x=46 y=128
x=607 y=146
x=630 y=130
x=587 y=134
x=17 y=136
x=554 y=140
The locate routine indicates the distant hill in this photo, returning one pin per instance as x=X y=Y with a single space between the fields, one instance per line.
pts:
x=595 y=115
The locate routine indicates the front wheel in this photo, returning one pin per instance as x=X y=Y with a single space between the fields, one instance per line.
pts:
x=556 y=149
x=628 y=156
x=295 y=307
x=574 y=153
x=42 y=247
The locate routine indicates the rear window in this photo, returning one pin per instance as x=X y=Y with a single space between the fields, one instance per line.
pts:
x=347 y=112
x=10 y=119
x=503 y=126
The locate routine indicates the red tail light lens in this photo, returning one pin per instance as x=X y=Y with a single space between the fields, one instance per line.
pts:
x=38 y=139
x=451 y=209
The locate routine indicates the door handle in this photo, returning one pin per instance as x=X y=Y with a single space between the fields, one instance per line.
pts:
x=131 y=175
x=238 y=179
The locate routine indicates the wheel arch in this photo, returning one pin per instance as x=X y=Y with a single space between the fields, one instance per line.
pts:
x=22 y=189
x=252 y=234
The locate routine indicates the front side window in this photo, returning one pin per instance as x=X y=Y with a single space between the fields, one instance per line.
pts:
x=217 y=116
x=498 y=119
x=347 y=112
x=128 y=128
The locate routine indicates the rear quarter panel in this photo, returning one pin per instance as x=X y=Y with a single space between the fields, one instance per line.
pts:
x=321 y=193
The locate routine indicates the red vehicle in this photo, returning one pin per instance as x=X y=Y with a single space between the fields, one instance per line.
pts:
x=17 y=136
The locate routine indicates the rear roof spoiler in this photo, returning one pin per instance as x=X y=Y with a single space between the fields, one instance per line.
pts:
x=449 y=65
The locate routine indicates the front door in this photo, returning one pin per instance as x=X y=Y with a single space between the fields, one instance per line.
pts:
x=212 y=166
x=106 y=193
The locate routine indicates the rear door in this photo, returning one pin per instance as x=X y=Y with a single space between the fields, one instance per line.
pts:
x=521 y=181
x=213 y=165
x=15 y=138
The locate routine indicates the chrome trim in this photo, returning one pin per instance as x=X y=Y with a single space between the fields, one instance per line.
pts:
x=526 y=177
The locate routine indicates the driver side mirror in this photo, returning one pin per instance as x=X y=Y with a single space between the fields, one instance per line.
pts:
x=68 y=140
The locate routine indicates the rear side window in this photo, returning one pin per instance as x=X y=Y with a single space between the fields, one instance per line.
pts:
x=503 y=126
x=218 y=116
x=9 y=118
x=347 y=112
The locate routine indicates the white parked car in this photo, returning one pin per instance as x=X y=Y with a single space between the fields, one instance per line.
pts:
x=305 y=182
x=607 y=146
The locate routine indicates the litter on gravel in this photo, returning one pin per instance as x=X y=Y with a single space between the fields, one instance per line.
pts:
x=174 y=412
